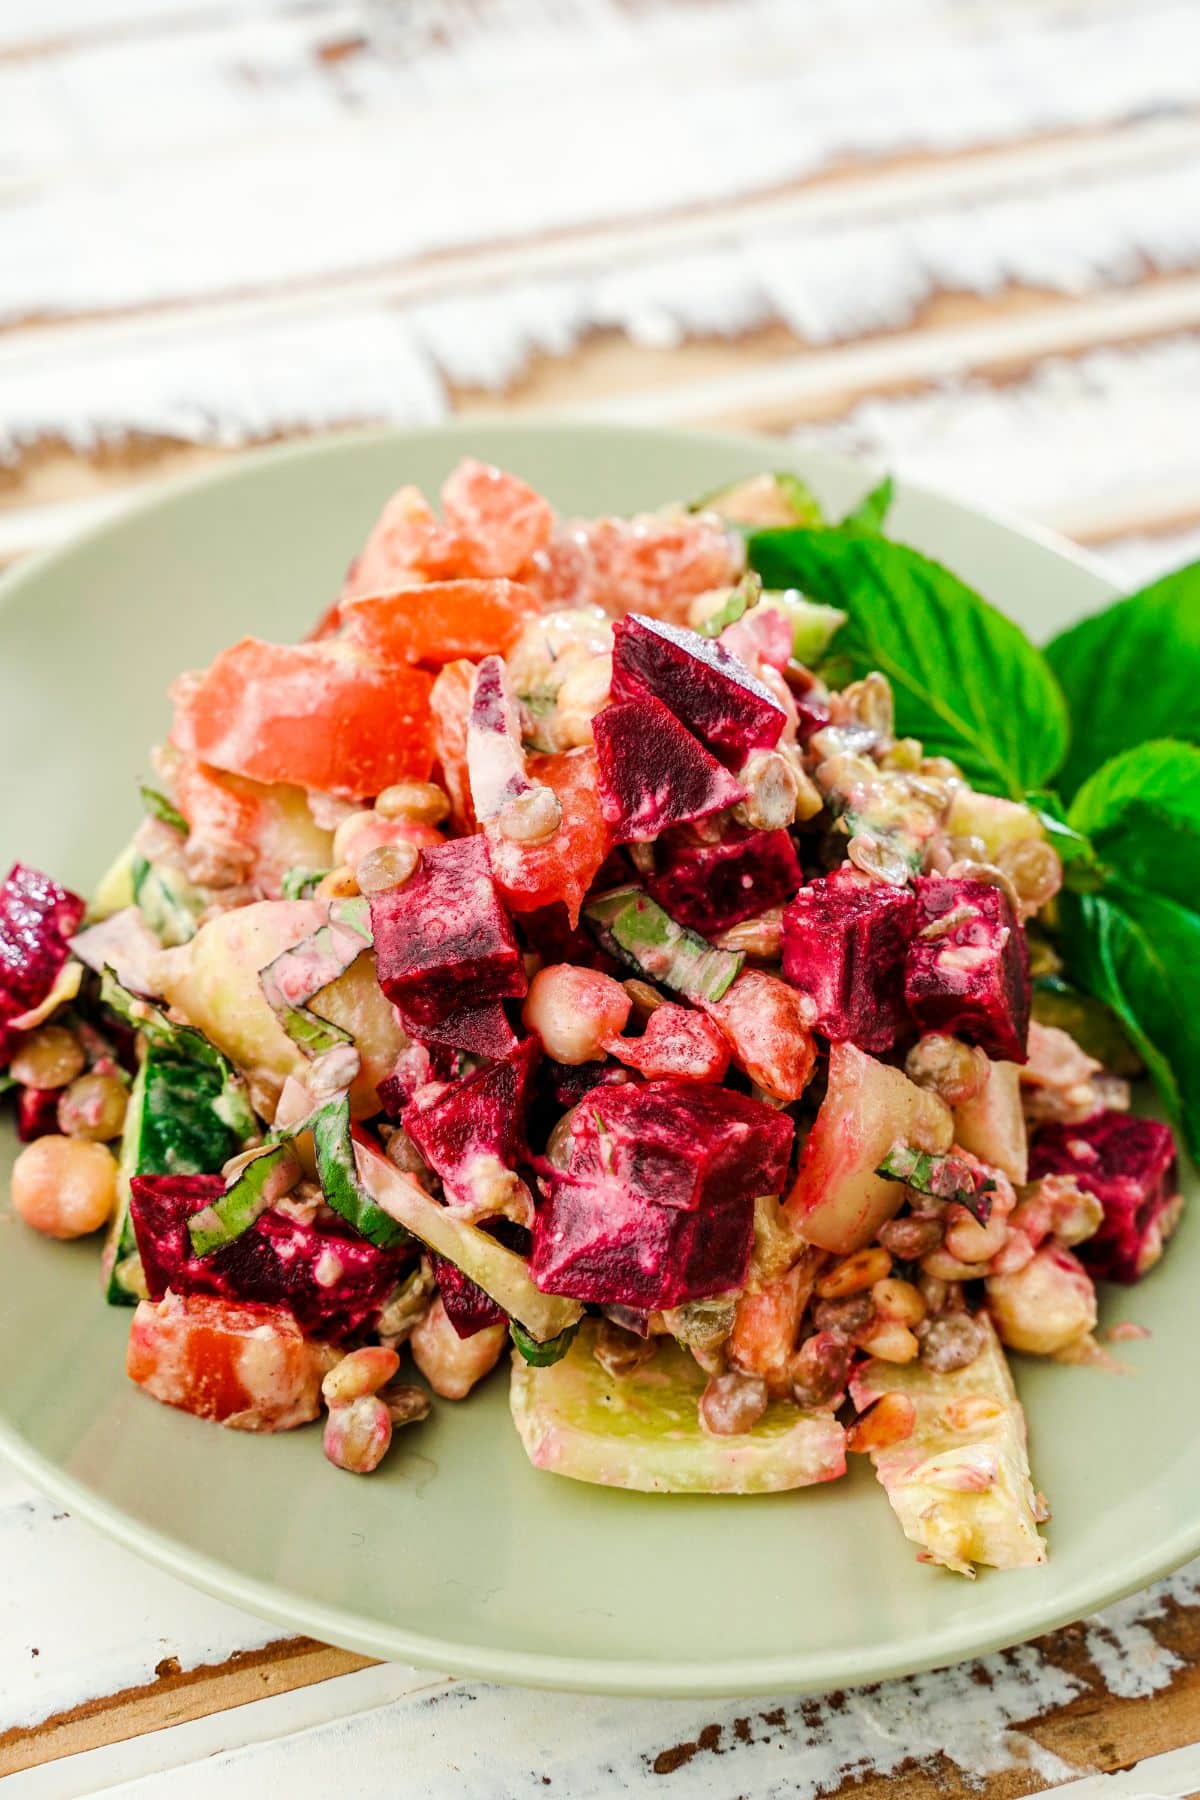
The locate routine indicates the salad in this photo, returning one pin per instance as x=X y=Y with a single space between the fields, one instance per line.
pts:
x=570 y=950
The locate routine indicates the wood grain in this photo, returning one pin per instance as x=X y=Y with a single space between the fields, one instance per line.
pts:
x=176 y=1695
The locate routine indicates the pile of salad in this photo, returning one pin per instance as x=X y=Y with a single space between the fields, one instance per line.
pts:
x=550 y=955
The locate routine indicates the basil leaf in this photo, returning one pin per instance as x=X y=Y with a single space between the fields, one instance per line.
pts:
x=967 y=681
x=801 y=499
x=1141 y=811
x=1132 y=672
x=872 y=510
x=159 y=807
x=1134 y=950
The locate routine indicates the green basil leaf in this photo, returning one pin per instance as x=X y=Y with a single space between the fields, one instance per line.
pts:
x=1141 y=811
x=872 y=510
x=1136 y=951
x=967 y=681
x=159 y=807
x=1132 y=672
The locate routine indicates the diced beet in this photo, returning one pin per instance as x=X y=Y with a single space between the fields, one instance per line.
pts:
x=548 y=931
x=844 y=943
x=443 y=941
x=653 y=773
x=480 y=1117
x=37 y=1112
x=468 y=1308
x=711 y=691
x=36 y=919
x=599 y=1242
x=413 y=1070
x=811 y=700
x=656 y=1203
x=712 y=886
x=479 y=1030
x=333 y=1284
x=967 y=969
x=1131 y=1166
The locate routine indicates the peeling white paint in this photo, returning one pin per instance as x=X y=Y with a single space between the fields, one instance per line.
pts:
x=210 y=160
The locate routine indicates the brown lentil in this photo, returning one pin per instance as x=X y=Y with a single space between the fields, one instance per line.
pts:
x=93 y=1107
x=949 y=1342
x=49 y=1057
x=732 y=1403
x=421 y=801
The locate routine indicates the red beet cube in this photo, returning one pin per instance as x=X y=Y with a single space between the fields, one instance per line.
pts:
x=967 y=971
x=479 y=1030
x=1131 y=1166
x=844 y=943
x=712 y=886
x=597 y=1241
x=653 y=773
x=710 y=690
x=36 y=919
x=333 y=1285
x=656 y=1203
x=443 y=941
x=478 y=1122
x=413 y=1070
x=37 y=1112
x=468 y=1308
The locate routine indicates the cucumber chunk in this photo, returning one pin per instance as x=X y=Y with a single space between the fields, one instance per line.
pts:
x=247 y=1196
x=299 y=974
x=960 y=1484
x=166 y=900
x=634 y=927
x=337 y=1172
x=500 y=1272
x=644 y=1432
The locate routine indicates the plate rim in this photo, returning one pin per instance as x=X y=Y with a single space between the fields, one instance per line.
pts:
x=797 y=1671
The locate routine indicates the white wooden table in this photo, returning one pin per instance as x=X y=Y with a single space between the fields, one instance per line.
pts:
x=961 y=236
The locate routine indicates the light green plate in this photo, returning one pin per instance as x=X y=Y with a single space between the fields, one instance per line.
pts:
x=457 y=1554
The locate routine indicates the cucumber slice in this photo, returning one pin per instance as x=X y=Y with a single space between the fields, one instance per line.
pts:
x=1093 y=1025
x=248 y=1195
x=634 y=927
x=338 y=1173
x=500 y=1272
x=644 y=1431
x=173 y=1126
x=167 y=901
x=813 y=625
x=183 y=1044
x=960 y=1485
x=114 y=890
x=298 y=974
x=763 y=500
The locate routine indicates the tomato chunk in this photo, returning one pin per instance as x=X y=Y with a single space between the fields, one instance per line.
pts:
x=249 y=1367
x=450 y=704
x=653 y=564
x=440 y=621
x=503 y=519
x=564 y=866
x=318 y=715
x=768 y=1030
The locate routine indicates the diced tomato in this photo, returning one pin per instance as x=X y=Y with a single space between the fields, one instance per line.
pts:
x=450 y=705
x=406 y=537
x=503 y=519
x=564 y=867
x=651 y=564
x=320 y=716
x=249 y=1367
x=678 y=1042
x=440 y=621
x=766 y=1022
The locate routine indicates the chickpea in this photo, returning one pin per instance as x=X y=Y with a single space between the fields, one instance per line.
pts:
x=339 y=884
x=575 y=1012
x=64 y=1187
x=450 y=1364
x=969 y=1241
x=93 y=1107
x=48 y=1058
x=1047 y=1306
x=362 y=832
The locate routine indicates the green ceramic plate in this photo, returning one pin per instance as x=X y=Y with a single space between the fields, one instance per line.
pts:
x=457 y=1554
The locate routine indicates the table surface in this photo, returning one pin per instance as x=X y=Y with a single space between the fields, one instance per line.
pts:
x=959 y=236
